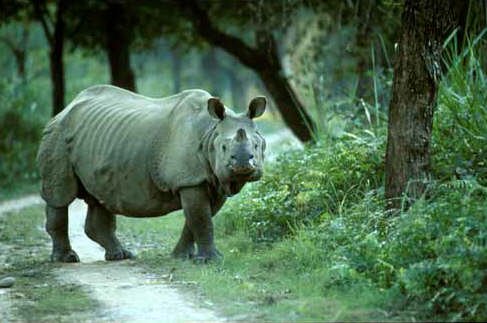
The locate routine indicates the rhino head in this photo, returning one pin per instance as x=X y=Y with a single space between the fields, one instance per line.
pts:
x=236 y=148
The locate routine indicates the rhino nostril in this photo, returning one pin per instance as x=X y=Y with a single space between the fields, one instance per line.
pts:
x=251 y=156
x=233 y=157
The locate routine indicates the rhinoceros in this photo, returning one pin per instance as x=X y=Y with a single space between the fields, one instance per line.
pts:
x=132 y=155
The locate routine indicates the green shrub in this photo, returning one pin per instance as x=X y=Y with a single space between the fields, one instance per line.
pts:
x=460 y=127
x=439 y=252
x=21 y=124
x=302 y=187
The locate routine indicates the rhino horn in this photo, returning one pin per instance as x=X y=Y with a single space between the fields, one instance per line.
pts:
x=241 y=135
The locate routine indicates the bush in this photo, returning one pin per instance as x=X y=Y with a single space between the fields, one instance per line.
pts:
x=21 y=123
x=438 y=251
x=302 y=188
x=460 y=128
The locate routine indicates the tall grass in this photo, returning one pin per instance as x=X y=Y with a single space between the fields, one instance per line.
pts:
x=460 y=127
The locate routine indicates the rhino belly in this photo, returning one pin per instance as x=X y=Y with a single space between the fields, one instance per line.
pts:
x=125 y=191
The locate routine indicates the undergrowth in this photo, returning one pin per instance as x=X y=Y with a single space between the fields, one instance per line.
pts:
x=21 y=124
x=321 y=211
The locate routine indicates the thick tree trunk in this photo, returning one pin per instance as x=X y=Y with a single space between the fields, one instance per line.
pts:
x=425 y=24
x=289 y=106
x=118 y=46
x=264 y=60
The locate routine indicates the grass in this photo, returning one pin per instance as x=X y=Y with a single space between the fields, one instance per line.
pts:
x=18 y=190
x=36 y=295
x=254 y=281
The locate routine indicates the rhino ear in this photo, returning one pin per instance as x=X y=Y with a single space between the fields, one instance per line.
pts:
x=216 y=108
x=256 y=107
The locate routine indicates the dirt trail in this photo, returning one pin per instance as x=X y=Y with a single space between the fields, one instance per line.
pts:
x=124 y=291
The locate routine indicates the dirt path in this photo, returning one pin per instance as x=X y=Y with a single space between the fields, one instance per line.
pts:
x=124 y=291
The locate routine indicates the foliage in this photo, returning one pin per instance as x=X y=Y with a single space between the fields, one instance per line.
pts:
x=433 y=255
x=460 y=130
x=322 y=216
x=21 y=131
x=305 y=188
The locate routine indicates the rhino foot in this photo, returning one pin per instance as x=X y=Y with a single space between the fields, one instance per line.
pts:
x=119 y=255
x=183 y=253
x=205 y=257
x=65 y=256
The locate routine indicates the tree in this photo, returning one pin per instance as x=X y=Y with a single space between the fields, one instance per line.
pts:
x=117 y=44
x=262 y=58
x=17 y=44
x=107 y=25
x=176 y=66
x=363 y=40
x=54 y=30
x=417 y=72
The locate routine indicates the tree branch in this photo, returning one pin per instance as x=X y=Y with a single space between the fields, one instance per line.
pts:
x=42 y=19
x=206 y=29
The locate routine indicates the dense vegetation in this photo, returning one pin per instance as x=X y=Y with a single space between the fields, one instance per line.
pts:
x=327 y=204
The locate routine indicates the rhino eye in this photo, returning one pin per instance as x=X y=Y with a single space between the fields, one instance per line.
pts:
x=224 y=148
x=256 y=146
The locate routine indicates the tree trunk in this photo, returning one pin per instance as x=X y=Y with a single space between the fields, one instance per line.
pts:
x=262 y=59
x=118 y=46
x=288 y=104
x=425 y=24
x=176 y=70
x=55 y=39
x=238 y=90
x=19 y=53
x=212 y=70
x=56 y=60
x=362 y=53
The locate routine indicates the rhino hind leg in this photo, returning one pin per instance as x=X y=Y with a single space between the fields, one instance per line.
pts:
x=57 y=227
x=185 y=247
x=100 y=227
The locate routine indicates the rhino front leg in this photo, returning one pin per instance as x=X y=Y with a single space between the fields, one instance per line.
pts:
x=185 y=247
x=197 y=211
x=100 y=227
x=57 y=227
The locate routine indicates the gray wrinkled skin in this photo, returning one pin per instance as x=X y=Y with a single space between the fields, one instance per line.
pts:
x=127 y=154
